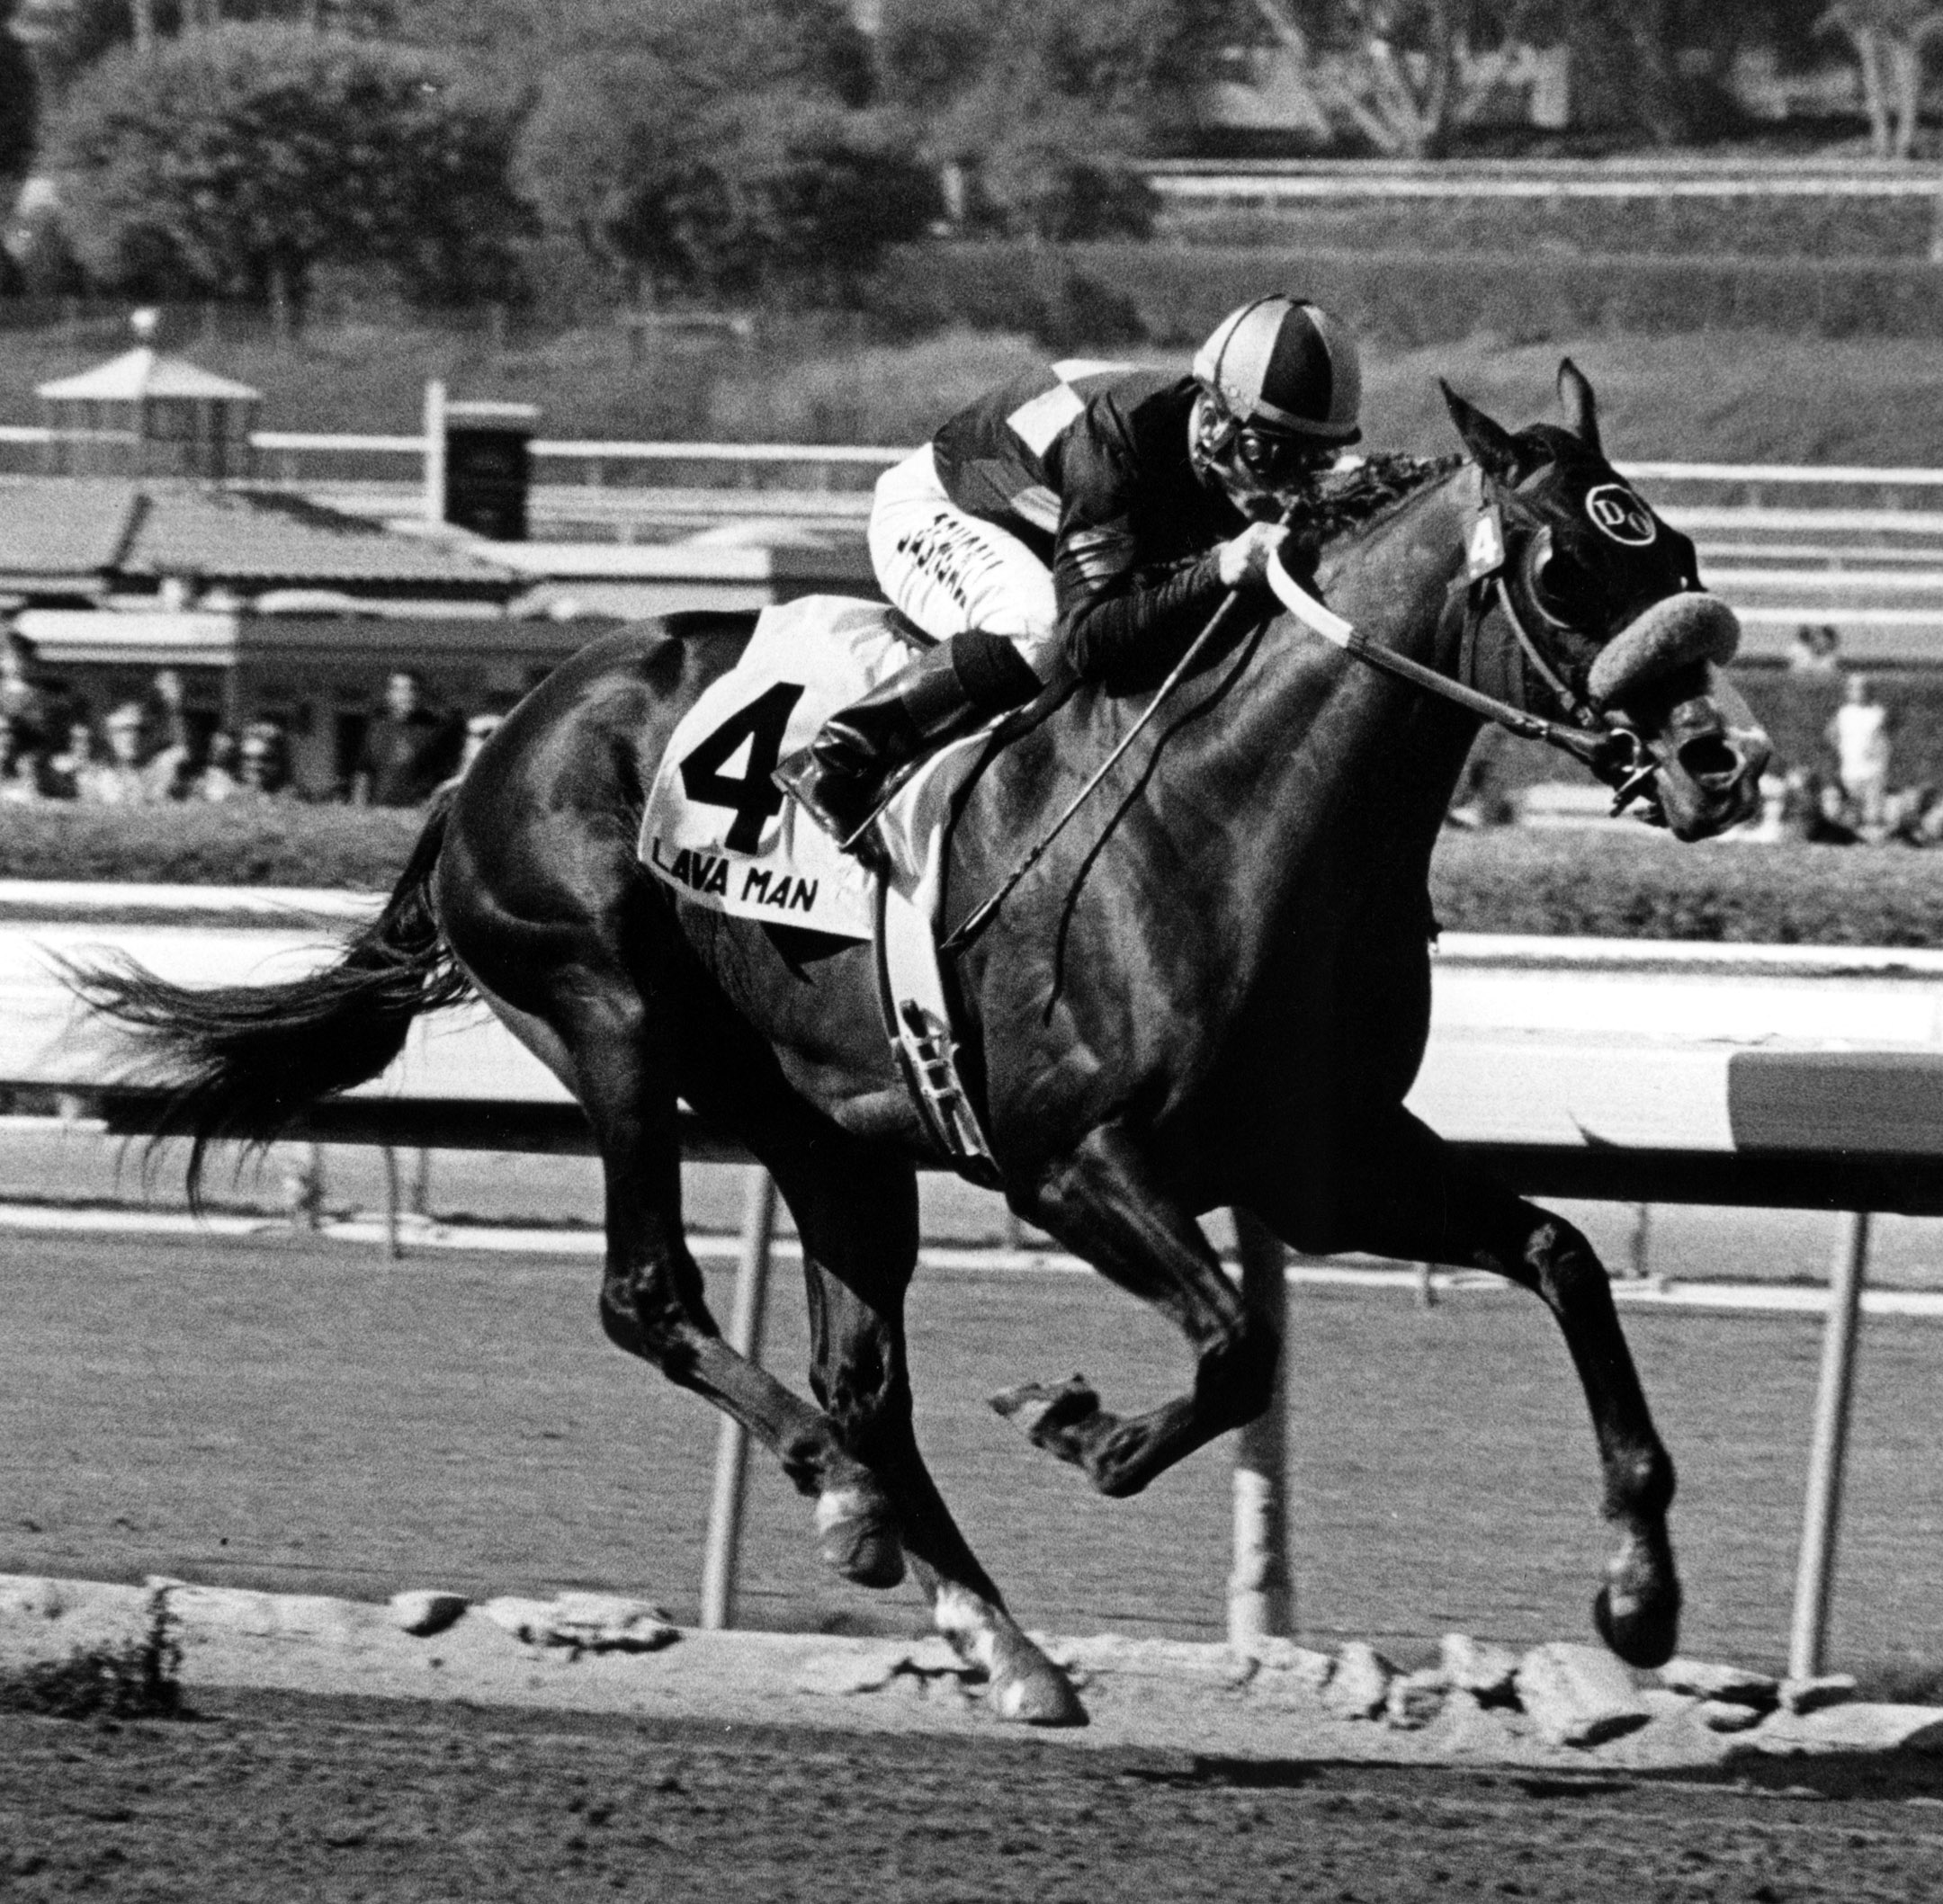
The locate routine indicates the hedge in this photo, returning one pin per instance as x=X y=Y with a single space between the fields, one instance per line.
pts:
x=285 y=844
x=1621 y=883
x=1175 y=294
x=1837 y=226
x=1635 y=884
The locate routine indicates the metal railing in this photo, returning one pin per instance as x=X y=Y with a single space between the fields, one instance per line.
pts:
x=745 y=462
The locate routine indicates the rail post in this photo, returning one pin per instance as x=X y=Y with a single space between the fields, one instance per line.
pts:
x=434 y=449
x=393 y=1202
x=1815 y=1579
x=1261 y=1597
x=732 y=1446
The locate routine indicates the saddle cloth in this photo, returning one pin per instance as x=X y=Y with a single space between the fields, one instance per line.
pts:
x=720 y=832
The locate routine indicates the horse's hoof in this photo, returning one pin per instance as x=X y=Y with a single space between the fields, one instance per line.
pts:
x=858 y=1538
x=1644 y=1634
x=1029 y=1690
x=1056 y=1416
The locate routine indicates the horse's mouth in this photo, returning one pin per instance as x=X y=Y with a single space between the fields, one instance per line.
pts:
x=1708 y=755
x=1661 y=676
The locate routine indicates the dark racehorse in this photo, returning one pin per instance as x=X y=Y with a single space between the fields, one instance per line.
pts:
x=1214 y=990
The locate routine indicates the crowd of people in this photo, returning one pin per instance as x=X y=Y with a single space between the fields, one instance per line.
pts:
x=1849 y=796
x=148 y=748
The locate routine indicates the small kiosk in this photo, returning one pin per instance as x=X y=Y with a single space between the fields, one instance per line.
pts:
x=144 y=415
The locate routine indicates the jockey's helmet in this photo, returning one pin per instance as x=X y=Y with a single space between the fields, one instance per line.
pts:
x=1280 y=388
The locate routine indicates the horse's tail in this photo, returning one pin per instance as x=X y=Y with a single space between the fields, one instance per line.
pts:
x=244 y=1061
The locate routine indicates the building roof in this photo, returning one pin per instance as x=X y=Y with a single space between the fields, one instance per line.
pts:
x=251 y=536
x=145 y=372
x=82 y=531
x=62 y=534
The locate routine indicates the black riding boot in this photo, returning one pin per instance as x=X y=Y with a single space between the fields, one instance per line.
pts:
x=841 y=777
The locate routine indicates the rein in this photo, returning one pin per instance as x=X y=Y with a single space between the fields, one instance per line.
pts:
x=1594 y=744
x=1614 y=755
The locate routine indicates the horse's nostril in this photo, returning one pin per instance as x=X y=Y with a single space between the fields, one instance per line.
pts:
x=1709 y=758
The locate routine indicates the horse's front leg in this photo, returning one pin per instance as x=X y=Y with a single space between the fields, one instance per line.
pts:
x=1409 y=1197
x=856 y=1213
x=1103 y=1202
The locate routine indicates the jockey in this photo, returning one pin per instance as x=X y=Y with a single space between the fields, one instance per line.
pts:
x=1078 y=521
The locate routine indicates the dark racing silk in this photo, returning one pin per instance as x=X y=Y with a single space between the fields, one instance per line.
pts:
x=1087 y=464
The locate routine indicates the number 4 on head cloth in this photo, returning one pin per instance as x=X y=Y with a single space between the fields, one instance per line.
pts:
x=752 y=793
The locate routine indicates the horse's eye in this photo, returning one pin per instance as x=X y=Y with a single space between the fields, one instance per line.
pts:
x=1557 y=583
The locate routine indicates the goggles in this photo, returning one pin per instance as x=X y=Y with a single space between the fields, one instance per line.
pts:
x=1278 y=458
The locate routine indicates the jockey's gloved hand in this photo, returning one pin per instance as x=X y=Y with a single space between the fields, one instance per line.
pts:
x=1243 y=561
x=1301 y=552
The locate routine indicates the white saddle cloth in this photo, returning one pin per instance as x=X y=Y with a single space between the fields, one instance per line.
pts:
x=720 y=830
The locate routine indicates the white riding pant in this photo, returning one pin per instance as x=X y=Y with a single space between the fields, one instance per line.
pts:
x=950 y=571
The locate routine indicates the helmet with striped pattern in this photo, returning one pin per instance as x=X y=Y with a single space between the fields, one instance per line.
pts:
x=1281 y=389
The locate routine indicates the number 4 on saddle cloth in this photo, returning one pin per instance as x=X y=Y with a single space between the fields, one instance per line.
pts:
x=720 y=832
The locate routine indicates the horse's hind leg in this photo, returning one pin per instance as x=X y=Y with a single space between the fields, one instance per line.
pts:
x=1104 y=1204
x=857 y=1215
x=1422 y=1205
x=652 y=1301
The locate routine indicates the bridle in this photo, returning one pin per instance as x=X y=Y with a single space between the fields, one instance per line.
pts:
x=1615 y=755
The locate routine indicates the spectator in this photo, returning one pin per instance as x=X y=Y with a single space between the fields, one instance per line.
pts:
x=1814 y=650
x=23 y=764
x=1902 y=814
x=133 y=775
x=262 y=762
x=408 y=751
x=71 y=766
x=479 y=729
x=1927 y=829
x=1811 y=809
x=219 y=779
x=25 y=704
x=1481 y=800
x=1860 y=737
x=169 y=729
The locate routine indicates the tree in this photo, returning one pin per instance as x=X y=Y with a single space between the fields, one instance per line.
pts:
x=728 y=193
x=238 y=160
x=1051 y=103
x=71 y=34
x=1889 y=38
x=19 y=106
x=1403 y=75
x=813 y=45
x=1394 y=74
x=723 y=147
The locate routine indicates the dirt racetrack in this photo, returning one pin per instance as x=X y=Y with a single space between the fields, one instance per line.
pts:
x=288 y=1414
x=285 y=1797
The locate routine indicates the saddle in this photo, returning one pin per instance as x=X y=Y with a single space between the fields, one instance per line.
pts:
x=722 y=835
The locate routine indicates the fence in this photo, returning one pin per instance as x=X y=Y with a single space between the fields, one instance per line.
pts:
x=1552 y=1113
x=744 y=476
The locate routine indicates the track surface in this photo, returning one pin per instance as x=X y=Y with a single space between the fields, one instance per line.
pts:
x=295 y=1415
x=285 y=1797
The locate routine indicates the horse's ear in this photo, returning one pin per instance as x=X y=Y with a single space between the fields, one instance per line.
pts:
x=1494 y=446
x=1581 y=411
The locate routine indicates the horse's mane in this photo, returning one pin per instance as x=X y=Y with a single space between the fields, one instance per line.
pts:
x=1352 y=501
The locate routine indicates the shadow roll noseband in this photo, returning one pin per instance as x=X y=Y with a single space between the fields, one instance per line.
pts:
x=1676 y=632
